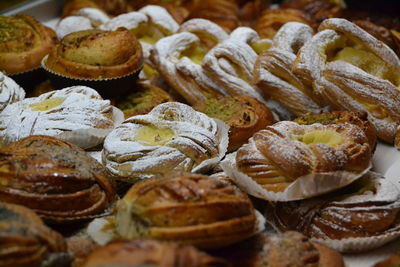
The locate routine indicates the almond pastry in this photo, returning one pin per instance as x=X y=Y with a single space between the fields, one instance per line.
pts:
x=10 y=92
x=368 y=210
x=144 y=252
x=172 y=136
x=353 y=71
x=186 y=208
x=59 y=113
x=26 y=241
x=54 y=178
x=317 y=158
x=273 y=74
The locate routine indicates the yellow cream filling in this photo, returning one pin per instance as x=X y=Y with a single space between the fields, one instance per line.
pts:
x=261 y=45
x=195 y=53
x=47 y=104
x=152 y=135
x=328 y=137
x=149 y=33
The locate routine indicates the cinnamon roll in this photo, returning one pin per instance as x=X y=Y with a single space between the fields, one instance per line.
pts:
x=54 y=178
x=10 y=92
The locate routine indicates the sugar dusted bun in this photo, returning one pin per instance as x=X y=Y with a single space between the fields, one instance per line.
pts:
x=10 y=92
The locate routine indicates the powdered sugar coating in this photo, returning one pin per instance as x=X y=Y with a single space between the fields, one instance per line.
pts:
x=10 y=91
x=196 y=138
x=292 y=36
x=204 y=26
x=161 y=17
x=72 y=24
x=129 y=20
x=95 y=15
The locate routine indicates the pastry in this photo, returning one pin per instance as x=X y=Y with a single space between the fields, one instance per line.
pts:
x=243 y=114
x=54 y=178
x=110 y=7
x=24 y=42
x=10 y=92
x=353 y=71
x=392 y=261
x=273 y=74
x=80 y=246
x=368 y=210
x=147 y=252
x=26 y=241
x=186 y=208
x=303 y=160
x=172 y=136
x=60 y=113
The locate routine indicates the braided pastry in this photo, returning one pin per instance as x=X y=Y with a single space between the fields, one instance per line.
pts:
x=10 y=92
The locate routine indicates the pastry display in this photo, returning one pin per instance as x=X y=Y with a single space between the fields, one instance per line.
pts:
x=26 y=241
x=186 y=208
x=244 y=115
x=10 y=92
x=172 y=136
x=353 y=71
x=54 y=178
x=393 y=261
x=367 y=210
x=147 y=252
x=60 y=113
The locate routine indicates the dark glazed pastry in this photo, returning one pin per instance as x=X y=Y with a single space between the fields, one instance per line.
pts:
x=54 y=178
x=393 y=261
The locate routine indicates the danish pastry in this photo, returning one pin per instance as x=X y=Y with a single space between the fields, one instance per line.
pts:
x=60 y=113
x=172 y=136
x=54 y=178
x=187 y=208
x=353 y=71
x=10 y=92
x=368 y=208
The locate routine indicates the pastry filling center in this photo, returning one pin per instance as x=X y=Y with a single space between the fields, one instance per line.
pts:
x=261 y=45
x=149 y=33
x=152 y=135
x=328 y=137
x=195 y=53
x=47 y=104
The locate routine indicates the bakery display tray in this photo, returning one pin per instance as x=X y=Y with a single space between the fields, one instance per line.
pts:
x=386 y=158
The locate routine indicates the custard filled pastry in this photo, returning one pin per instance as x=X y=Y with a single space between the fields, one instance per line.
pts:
x=24 y=42
x=186 y=208
x=289 y=161
x=61 y=113
x=353 y=71
x=172 y=136
x=359 y=217
x=145 y=252
x=10 y=92
x=54 y=178
x=26 y=241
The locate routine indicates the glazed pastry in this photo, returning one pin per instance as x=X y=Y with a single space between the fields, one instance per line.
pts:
x=172 y=136
x=143 y=100
x=80 y=246
x=368 y=209
x=60 y=113
x=288 y=155
x=337 y=117
x=353 y=71
x=54 y=178
x=110 y=7
x=145 y=252
x=393 y=261
x=26 y=241
x=243 y=114
x=186 y=208
x=273 y=74
x=10 y=92
x=271 y=20
x=24 y=42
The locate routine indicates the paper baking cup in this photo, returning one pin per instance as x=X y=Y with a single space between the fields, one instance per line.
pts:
x=302 y=188
x=107 y=87
x=29 y=79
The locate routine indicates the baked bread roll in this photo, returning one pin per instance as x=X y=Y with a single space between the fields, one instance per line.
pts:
x=186 y=208
x=54 y=178
x=10 y=92
x=24 y=42
x=360 y=217
x=61 y=113
x=145 y=252
x=353 y=71
x=26 y=241
x=172 y=136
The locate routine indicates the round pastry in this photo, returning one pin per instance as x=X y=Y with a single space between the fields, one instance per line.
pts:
x=26 y=241
x=186 y=208
x=65 y=113
x=23 y=43
x=172 y=136
x=301 y=161
x=353 y=71
x=244 y=115
x=359 y=217
x=54 y=178
x=10 y=92
x=143 y=100
x=393 y=261
x=150 y=253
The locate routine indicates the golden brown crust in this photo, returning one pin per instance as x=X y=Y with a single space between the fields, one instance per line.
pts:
x=379 y=32
x=393 y=261
x=54 y=178
x=111 y=7
x=96 y=54
x=80 y=246
x=23 y=43
x=328 y=257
